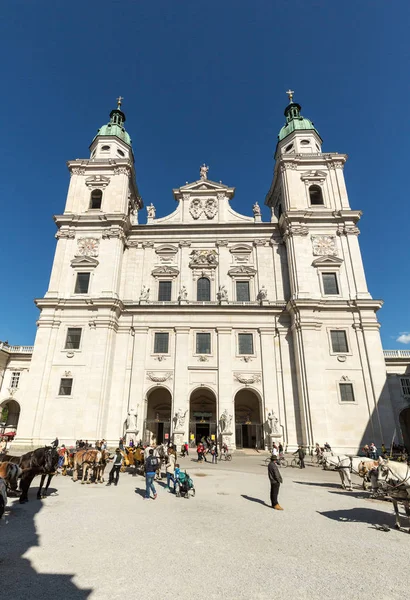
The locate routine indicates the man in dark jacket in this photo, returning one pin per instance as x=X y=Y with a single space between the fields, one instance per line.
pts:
x=275 y=479
x=301 y=456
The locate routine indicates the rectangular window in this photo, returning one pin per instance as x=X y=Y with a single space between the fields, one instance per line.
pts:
x=330 y=287
x=339 y=341
x=82 y=283
x=164 y=291
x=66 y=385
x=73 y=338
x=405 y=386
x=161 y=343
x=203 y=343
x=15 y=379
x=245 y=343
x=346 y=392
x=242 y=291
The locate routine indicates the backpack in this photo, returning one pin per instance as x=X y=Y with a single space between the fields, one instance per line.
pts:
x=154 y=463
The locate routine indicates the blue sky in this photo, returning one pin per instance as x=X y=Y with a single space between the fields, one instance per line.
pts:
x=202 y=81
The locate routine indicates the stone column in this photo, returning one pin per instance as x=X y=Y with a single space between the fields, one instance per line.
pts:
x=269 y=383
x=181 y=384
x=225 y=382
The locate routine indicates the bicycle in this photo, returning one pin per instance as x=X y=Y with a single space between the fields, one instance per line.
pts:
x=225 y=456
x=281 y=461
x=295 y=463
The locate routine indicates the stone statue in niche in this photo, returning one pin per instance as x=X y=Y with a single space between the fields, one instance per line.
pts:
x=222 y=294
x=183 y=294
x=256 y=210
x=144 y=293
x=180 y=418
x=151 y=210
x=203 y=171
x=132 y=420
x=273 y=422
x=262 y=294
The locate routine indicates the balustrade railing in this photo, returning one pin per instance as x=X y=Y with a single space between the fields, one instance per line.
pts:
x=396 y=353
x=16 y=349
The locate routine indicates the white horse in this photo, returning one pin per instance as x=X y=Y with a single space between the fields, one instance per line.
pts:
x=345 y=465
x=394 y=480
x=342 y=464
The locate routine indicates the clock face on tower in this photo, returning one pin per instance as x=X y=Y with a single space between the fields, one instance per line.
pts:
x=88 y=246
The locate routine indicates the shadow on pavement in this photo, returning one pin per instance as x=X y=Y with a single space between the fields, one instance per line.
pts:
x=328 y=485
x=258 y=500
x=18 y=534
x=360 y=515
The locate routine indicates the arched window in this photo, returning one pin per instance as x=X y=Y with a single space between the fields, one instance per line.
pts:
x=315 y=194
x=96 y=199
x=203 y=289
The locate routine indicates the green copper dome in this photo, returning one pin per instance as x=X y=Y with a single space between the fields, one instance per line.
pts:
x=116 y=126
x=295 y=121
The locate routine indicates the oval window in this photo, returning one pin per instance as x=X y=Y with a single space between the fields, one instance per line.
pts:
x=120 y=152
x=305 y=142
x=289 y=148
x=105 y=148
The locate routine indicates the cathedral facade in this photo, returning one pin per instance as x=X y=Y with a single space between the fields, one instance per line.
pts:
x=207 y=322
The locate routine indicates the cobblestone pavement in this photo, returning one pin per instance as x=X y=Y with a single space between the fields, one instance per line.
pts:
x=97 y=542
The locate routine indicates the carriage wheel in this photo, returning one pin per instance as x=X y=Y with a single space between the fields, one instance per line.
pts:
x=229 y=457
x=193 y=492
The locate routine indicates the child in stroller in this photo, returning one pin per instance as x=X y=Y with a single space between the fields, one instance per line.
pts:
x=184 y=485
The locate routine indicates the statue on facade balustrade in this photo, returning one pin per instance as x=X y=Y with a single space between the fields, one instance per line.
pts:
x=151 y=210
x=222 y=294
x=144 y=294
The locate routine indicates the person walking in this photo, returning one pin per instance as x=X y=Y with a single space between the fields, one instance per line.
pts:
x=373 y=451
x=170 y=469
x=275 y=479
x=116 y=466
x=214 y=453
x=301 y=456
x=151 y=465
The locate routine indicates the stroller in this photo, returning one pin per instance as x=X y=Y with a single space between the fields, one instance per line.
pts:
x=184 y=485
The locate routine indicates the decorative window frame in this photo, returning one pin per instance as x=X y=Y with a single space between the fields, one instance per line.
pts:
x=329 y=337
x=165 y=273
x=97 y=182
x=73 y=350
x=83 y=264
x=66 y=375
x=241 y=253
x=166 y=253
x=328 y=264
x=237 y=355
x=211 y=287
x=243 y=273
x=315 y=178
x=157 y=354
x=345 y=379
x=199 y=354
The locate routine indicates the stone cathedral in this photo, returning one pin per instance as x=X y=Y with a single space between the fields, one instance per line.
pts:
x=207 y=322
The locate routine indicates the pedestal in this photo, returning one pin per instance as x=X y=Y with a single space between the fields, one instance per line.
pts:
x=131 y=434
x=178 y=439
x=227 y=439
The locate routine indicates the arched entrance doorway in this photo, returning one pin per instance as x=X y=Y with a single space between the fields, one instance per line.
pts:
x=9 y=416
x=248 y=420
x=405 y=427
x=202 y=415
x=157 y=425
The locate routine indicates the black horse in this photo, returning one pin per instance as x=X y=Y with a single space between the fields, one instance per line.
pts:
x=42 y=461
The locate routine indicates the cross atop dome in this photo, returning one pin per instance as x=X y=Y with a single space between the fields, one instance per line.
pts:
x=119 y=102
x=290 y=94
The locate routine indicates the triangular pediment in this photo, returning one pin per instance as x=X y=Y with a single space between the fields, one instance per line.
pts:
x=84 y=261
x=327 y=261
x=203 y=184
x=204 y=187
x=242 y=270
x=165 y=272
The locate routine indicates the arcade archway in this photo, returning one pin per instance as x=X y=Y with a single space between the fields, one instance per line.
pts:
x=248 y=420
x=9 y=416
x=157 y=425
x=405 y=427
x=202 y=415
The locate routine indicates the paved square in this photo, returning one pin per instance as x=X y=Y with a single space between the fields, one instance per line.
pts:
x=95 y=542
